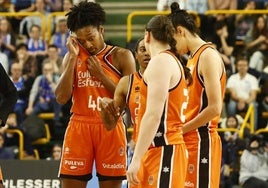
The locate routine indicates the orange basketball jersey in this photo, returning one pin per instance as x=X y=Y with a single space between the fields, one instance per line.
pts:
x=88 y=90
x=169 y=130
x=197 y=95
x=203 y=144
x=133 y=99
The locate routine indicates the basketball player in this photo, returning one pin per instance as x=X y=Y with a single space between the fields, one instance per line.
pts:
x=92 y=70
x=205 y=102
x=159 y=159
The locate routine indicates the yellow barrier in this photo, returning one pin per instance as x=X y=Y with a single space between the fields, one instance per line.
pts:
x=209 y=12
x=249 y=116
x=50 y=17
x=21 y=140
x=149 y=13
x=43 y=18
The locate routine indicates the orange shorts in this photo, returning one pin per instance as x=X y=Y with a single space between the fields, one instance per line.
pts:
x=204 y=161
x=87 y=141
x=163 y=167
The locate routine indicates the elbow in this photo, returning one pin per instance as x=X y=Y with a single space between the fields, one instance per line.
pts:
x=216 y=110
x=62 y=99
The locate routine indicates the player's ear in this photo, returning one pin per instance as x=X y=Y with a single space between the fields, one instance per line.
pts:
x=101 y=29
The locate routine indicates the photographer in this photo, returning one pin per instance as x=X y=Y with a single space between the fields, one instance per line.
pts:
x=253 y=165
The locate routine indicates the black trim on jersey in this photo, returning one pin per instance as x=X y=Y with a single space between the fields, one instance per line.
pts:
x=160 y=140
x=108 y=63
x=200 y=78
x=130 y=83
x=204 y=165
x=165 y=176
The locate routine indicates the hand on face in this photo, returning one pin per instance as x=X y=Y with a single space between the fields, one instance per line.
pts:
x=72 y=45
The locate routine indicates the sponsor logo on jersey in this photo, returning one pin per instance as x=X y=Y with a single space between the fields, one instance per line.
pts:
x=113 y=166
x=189 y=184
x=74 y=164
x=151 y=180
x=190 y=168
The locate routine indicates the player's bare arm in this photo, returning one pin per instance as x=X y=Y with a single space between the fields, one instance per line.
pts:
x=112 y=108
x=64 y=87
x=211 y=68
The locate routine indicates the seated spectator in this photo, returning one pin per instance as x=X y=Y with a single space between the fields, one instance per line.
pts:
x=243 y=88
x=27 y=61
x=20 y=6
x=27 y=22
x=231 y=146
x=253 y=165
x=257 y=44
x=13 y=139
x=42 y=97
x=54 y=58
x=59 y=38
x=225 y=45
x=23 y=92
x=244 y=22
x=7 y=39
x=55 y=152
x=5 y=153
x=37 y=47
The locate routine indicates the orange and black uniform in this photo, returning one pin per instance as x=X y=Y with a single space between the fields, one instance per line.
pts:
x=203 y=144
x=133 y=101
x=164 y=164
x=86 y=139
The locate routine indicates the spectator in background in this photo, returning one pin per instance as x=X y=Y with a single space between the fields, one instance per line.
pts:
x=20 y=6
x=231 y=146
x=222 y=5
x=27 y=61
x=257 y=44
x=225 y=45
x=23 y=92
x=243 y=88
x=5 y=153
x=4 y=7
x=12 y=140
x=42 y=97
x=244 y=22
x=253 y=165
x=55 y=152
x=67 y=5
x=37 y=47
x=7 y=39
x=163 y=5
x=59 y=38
x=54 y=58
x=27 y=23
x=199 y=6
x=53 y=5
